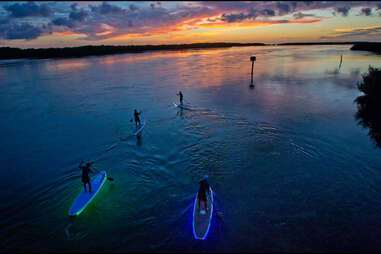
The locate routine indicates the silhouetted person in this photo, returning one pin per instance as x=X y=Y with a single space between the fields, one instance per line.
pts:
x=202 y=191
x=85 y=174
x=136 y=116
x=181 y=97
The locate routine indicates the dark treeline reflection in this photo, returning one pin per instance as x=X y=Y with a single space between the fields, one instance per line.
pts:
x=369 y=104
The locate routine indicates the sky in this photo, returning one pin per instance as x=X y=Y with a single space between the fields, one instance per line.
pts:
x=49 y=24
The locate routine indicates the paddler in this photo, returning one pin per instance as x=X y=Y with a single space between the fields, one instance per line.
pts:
x=181 y=97
x=85 y=174
x=137 y=119
x=202 y=191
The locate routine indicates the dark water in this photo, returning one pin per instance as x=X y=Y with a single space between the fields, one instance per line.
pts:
x=291 y=169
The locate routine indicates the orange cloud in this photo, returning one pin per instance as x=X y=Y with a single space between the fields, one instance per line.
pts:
x=355 y=29
x=103 y=33
x=66 y=33
x=200 y=23
x=257 y=23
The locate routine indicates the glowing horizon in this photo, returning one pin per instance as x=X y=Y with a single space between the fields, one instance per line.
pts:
x=63 y=24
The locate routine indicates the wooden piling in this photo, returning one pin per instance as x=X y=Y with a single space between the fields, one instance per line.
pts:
x=252 y=59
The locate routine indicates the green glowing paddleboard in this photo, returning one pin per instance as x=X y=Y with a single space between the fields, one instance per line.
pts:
x=84 y=198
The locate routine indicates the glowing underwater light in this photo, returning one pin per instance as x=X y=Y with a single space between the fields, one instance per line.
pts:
x=210 y=221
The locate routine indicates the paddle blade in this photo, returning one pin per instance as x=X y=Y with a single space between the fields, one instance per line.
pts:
x=110 y=178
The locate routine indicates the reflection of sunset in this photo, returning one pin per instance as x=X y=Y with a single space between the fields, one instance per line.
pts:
x=154 y=55
x=68 y=64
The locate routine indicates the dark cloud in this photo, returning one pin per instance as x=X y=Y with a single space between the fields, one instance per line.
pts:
x=267 y=12
x=133 y=7
x=283 y=8
x=146 y=21
x=308 y=3
x=64 y=22
x=230 y=18
x=106 y=8
x=343 y=10
x=300 y=15
x=286 y=7
x=366 y=11
x=76 y=16
x=24 y=31
x=74 y=6
x=79 y=15
x=156 y=18
x=29 y=9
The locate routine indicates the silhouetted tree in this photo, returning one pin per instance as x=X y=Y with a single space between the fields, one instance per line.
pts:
x=368 y=46
x=369 y=104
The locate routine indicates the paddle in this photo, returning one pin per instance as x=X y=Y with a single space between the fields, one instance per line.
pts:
x=108 y=178
x=217 y=210
x=92 y=162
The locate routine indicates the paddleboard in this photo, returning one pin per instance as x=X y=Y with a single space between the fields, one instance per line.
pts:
x=181 y=106
x=137 y=130
x=202 y=219
x=84 y=198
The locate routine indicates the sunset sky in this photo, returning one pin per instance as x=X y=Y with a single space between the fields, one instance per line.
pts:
x=66 y=24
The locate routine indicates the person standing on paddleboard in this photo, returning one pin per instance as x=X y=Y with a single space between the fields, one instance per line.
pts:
x=85 y=174
x=202 y=191
x=137 y=119
x=181 y=97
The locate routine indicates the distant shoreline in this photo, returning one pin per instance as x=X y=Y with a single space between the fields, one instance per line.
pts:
x=82 y=51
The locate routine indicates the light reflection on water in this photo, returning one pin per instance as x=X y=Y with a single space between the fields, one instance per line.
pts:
x=291 y=169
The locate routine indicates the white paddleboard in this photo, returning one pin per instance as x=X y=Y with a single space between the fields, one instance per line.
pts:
x=202 y=219
x=180 y=106
x=137 y=130
x=84 y=198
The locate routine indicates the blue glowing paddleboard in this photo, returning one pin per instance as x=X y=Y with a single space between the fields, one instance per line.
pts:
x=180 y=106
x=137 y=130
x=84 y=198
x=202 y=219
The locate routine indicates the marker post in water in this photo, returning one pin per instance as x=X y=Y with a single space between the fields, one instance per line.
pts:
x=252 y=59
